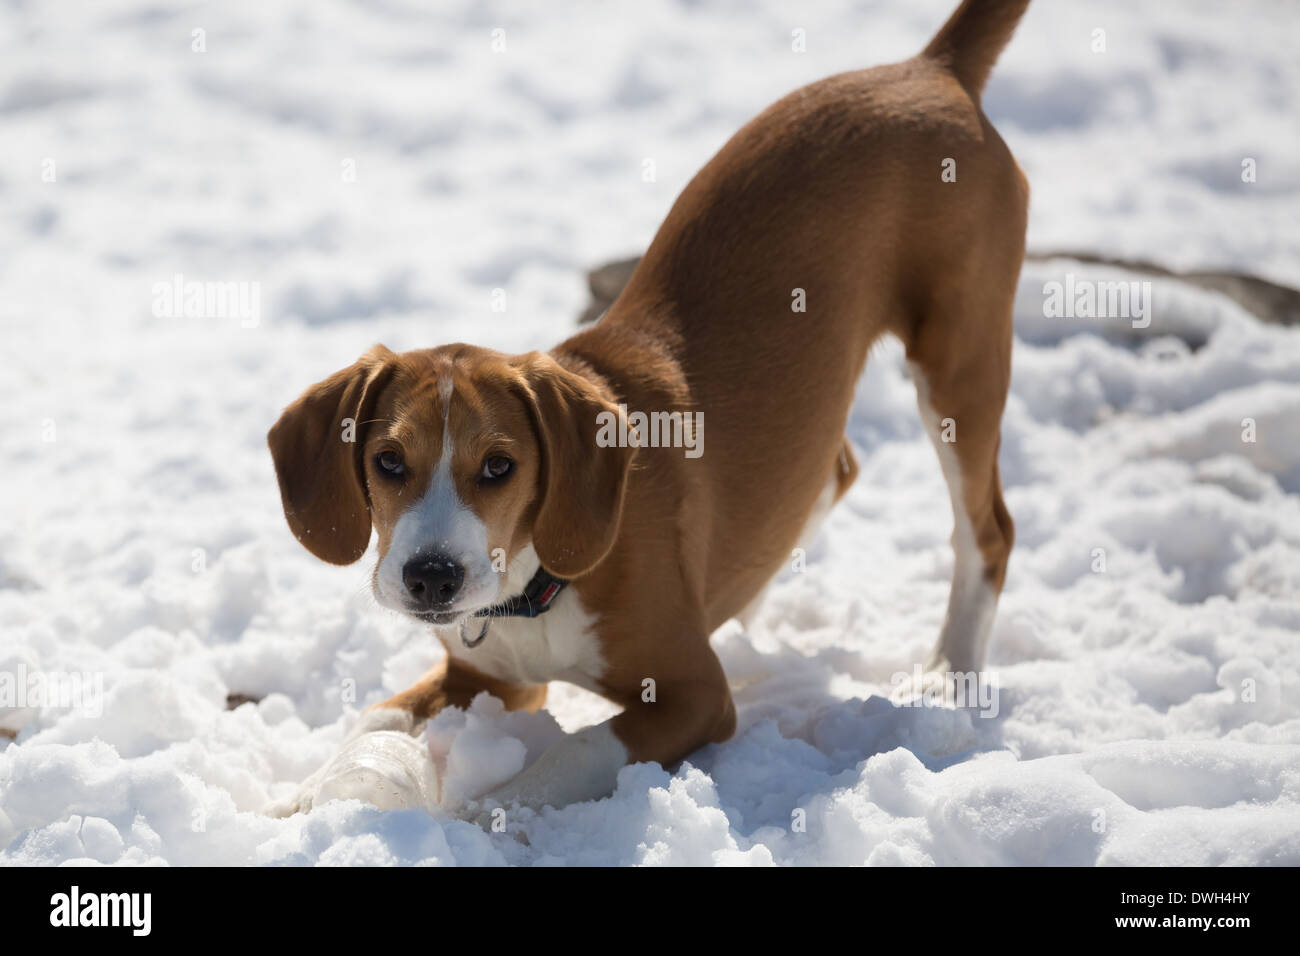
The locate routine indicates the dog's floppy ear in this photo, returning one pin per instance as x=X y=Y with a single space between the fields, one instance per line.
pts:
x=582 y=483
x=317 y=447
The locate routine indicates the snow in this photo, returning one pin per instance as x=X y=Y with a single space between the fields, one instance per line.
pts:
x=1145 y=646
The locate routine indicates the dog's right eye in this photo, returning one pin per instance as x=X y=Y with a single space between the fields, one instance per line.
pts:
x=390 y=463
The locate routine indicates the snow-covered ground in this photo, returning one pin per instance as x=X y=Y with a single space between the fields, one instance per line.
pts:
x=379 y=170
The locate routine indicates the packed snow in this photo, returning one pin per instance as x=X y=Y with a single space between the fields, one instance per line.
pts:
x=387 y=172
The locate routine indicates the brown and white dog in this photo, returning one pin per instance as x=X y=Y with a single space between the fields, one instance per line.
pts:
x=483 y=475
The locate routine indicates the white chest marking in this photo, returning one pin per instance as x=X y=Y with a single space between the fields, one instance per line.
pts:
x=558 y=645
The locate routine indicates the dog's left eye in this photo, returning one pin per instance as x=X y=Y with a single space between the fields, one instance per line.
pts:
x=496 y=467
x=390 y=463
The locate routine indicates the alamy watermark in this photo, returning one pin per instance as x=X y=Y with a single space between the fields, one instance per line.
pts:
x=651 y=430
x=1091 y=299
x=132 y=911
x=21 y=689
x=976 y=690
x=179 y=299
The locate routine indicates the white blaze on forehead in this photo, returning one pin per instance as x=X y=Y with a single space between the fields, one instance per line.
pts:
x=439 y=524
x=445 y=388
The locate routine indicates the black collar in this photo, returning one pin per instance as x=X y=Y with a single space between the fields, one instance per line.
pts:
x=536 y=598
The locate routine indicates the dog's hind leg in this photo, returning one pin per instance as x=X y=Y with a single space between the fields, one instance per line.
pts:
x=961 y=363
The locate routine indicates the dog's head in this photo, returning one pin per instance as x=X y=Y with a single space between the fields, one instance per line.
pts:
x=459 y=457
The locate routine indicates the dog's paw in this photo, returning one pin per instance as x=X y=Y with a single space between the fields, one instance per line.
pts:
x=931 y=686
x=388 y=769
x=941 y=684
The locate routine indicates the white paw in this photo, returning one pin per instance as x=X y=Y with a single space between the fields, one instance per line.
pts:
x=931 y=686
x=942 y=684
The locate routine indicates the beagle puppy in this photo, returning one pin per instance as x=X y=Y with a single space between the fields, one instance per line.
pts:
x=525 y=506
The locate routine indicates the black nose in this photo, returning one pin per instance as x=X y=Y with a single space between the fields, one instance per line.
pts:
x=432 y=582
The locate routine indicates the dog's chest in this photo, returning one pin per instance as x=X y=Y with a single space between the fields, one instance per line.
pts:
x=558 y=645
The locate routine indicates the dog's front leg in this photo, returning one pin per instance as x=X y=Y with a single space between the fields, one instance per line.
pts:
x=382 y=762
x=665 y=726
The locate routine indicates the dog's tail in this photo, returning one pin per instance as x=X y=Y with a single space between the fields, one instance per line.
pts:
x=969 y=43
